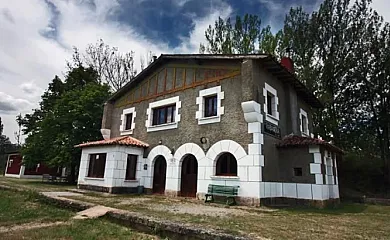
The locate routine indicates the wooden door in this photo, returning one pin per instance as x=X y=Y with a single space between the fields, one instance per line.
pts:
x=159 y=175
x=189 y=176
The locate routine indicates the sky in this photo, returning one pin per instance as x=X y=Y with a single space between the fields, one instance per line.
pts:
x=37 y=36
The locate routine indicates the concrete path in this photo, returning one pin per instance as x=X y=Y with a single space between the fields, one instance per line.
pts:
x=93 y=212
x=61 y=194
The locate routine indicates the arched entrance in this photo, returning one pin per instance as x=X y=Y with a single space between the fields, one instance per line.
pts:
x=159 y=175
x=189 y=176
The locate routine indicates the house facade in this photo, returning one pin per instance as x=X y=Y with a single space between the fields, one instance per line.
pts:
x=16 y=169
x=188 y=121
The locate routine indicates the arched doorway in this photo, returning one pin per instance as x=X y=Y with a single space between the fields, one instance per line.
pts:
x=159 y=175
x=189 y=176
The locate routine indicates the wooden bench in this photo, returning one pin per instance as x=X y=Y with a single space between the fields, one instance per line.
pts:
x=49 y=178
x=230 y=192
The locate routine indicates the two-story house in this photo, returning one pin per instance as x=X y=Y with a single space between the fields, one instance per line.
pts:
x=188 y=121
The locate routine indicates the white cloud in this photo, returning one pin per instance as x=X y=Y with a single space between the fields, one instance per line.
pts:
x=31 y=89
x=191 y=44
x=28 y=60
x=10 y=104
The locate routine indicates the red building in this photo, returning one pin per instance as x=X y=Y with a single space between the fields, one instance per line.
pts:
x=15 y=168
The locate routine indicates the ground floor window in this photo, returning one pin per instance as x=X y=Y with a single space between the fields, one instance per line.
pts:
x=131 y=167
x=226 y=165
x=97 y=165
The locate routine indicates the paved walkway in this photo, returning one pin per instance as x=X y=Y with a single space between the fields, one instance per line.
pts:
x=93 y=212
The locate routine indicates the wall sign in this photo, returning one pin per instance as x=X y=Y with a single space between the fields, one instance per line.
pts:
x=272 y=129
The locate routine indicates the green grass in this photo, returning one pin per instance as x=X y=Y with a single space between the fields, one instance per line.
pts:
x=89 y=229
x=35 y=184
x=26 y=207
x=22 y=207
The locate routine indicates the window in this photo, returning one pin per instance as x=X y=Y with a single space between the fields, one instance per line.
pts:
x=131 y=167
x=210 y=108
x=165 y=114
x=298 y=172
x=270 y=100
x=271 y=104
x=304 y=124
x=129 y=121
x=226 y=165
x=97 y=165
x=127 y=118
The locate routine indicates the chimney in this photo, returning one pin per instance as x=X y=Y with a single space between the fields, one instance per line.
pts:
x=154 y=58
x=288 y=64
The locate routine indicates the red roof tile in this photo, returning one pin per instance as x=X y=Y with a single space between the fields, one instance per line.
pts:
x=294 y=140
x=126 y=140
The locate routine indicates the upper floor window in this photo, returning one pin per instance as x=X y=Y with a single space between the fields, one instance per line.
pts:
x=271 y=104
x=210 y=106
x=131 y=167
x=163 y=114
x=210 y=109
x=127 y=119
x=304 y=123
x=97 y=165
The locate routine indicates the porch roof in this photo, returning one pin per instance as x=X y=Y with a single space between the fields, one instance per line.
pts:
x=296 y=141
x=125 y=140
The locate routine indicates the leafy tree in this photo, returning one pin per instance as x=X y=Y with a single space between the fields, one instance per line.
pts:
x=270 y=43
x=4 y=143
x=223 y=38
x=111 y=66
x=70 y=113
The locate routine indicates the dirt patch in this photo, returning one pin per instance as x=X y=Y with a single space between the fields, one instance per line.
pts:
x=132 y=201
x=32 y=225
x=198 y=209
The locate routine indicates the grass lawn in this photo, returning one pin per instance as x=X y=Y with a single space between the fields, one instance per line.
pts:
x=81 y=230
x=18 y=209
x=35 y=184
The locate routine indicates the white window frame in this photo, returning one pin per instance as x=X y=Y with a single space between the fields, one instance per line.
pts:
x=122 y=129
x=274 y=116
x=201 y=105
x=304 y=113
x=161 y=103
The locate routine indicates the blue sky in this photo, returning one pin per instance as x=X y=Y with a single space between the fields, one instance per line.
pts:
x=37 y=36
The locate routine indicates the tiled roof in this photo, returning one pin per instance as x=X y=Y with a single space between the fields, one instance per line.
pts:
x=126 y=141
x=294 y=140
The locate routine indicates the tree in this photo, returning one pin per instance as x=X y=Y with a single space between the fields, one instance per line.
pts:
x=223 y=38
x=17 y=133
x=4 y=143
x=270 y=43
x=111 y=66
x=69 y=114
x=4 y=140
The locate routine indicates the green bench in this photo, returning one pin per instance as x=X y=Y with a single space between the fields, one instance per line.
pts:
x=230 y=192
